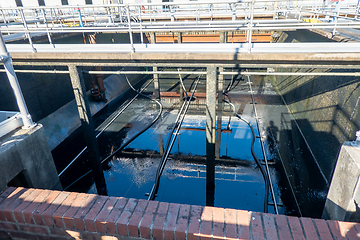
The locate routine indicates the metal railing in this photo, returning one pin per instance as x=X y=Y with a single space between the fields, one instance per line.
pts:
x=188 y=16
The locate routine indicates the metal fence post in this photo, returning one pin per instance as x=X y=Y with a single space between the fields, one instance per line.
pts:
x=5 y=58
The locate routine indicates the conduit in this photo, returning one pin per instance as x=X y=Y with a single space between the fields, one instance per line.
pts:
x=131 y=139
x=170 y=142
x=263 y=150
x=107 y=125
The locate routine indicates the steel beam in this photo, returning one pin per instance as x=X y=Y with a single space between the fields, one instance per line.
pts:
x=210 y=133
x=87 y=125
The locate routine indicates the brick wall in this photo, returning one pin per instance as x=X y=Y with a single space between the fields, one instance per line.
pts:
x=46 y=214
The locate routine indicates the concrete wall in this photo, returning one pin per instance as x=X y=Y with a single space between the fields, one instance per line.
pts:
x=25 y=153
x=343 y=199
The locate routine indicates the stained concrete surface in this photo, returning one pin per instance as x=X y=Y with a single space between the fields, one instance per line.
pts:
x=25 y=154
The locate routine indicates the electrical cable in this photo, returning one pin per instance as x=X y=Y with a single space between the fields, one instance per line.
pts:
x=107 y=125
x=263 y=172
x=168 y=147
x=131 y=139
x=263 y=149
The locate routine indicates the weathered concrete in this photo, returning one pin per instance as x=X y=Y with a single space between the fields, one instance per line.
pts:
x=25 y=153
x=61 y=123
x=343 y=199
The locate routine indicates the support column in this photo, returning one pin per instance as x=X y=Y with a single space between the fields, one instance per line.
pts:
x=210 y=134
x=87 y=125
x=152 y=38
x=222 y=37
x=219 y=112
x=179 y=35
x=156 y=83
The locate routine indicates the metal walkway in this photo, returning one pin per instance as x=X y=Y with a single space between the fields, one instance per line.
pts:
x=247 y=16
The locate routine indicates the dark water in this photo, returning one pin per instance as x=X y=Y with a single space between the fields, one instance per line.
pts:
x=238 y=181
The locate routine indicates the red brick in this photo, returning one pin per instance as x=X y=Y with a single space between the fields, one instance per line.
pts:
x=10 y=199
x=114 y=215
x=121 y=224
x=270 y=227
x=182 y=222
x=323 y=229
x=65 y=205
x=17 y=212
x=218 y=223
x=309 y=228
x=158 y=226
x=283 y=227
x=34 y=229
x=23 y=235
x=28 y=212
x=5 y=235
x=84 y=209
x=256 y=226
x=15 y=203
x=147 y=219
x=37 y=214
x=295 y=228
x=194 y=223
x=243 y=220
x=47 y=214
x=170 y=223
x=68 y=217
x=9 y=226
x=6 y=193
x=133 y=225
x=334 y=227
x=92 y=214
x=230 y=224
x=348 y=230
x=357 y=227
x=206 y=223
x=100 y=220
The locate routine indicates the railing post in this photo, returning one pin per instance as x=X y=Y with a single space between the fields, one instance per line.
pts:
x=156 y=83
x=10 y=72
x=210 y=133
x=46 y=24
x=87 y=125
x=249 y=33
x=26 y=29
x=130 y=31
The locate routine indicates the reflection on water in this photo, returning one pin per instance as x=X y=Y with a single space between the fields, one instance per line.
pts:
x=239 y=183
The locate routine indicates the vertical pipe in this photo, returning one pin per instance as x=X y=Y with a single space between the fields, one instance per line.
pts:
x=14 y=83
x=152 y=38
x=219 y=112
x=156 y=83
x=249 y=35
x=141 y=33
x=210 y=133
x=130 y=31
x=78 y=85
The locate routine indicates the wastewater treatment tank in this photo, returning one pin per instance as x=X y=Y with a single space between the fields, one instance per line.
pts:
x=297 y=184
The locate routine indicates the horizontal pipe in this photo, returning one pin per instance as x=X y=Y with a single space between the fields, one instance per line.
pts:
x=352 y=74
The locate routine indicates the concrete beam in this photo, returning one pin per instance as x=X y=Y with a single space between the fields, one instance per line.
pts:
x=308 y=59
